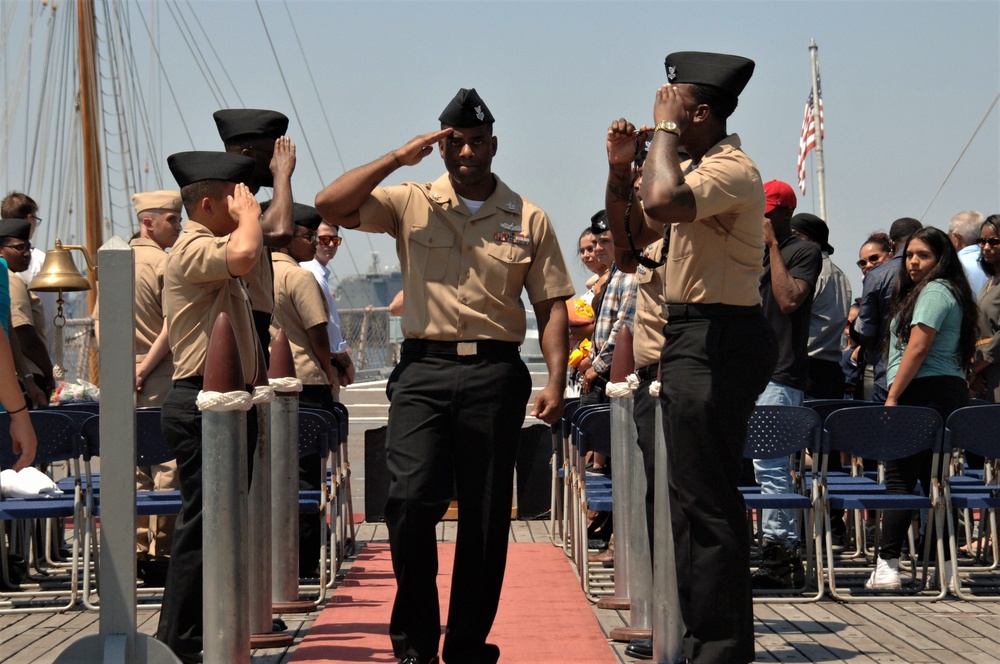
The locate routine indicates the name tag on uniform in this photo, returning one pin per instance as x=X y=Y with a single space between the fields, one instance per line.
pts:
x=512 y=238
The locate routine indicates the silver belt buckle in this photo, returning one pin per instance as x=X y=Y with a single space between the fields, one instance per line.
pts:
x=464 y=348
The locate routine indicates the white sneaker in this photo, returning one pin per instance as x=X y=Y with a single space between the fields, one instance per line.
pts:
x=885 y=576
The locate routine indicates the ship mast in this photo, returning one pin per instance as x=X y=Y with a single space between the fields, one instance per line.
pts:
x=87 y=29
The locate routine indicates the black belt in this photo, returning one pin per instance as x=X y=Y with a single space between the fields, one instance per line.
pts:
x=677 y=311
x=194 y=382
x=488 y=349
x=648 y=372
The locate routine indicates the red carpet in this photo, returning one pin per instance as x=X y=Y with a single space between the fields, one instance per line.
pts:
x=543 y=617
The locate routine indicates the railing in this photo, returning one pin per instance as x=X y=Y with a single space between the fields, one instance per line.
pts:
x=373 y=335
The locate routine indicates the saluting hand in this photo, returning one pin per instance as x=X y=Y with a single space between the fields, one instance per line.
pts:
x=243 y=207
x=283 y=160
x=420 y=146
x=621 y=143
x=669 y=106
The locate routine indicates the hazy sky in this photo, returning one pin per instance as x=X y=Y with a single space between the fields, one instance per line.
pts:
x=905 y=85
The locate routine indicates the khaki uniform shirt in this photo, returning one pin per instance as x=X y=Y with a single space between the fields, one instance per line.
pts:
x=298 y=305
x=25 y=310
x=716 y=259
x=260 y=284
x=647 y=339
x=463 y=273
x=150 y=260
x=197 y=287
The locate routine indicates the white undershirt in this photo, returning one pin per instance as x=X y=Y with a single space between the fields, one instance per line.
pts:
x=472 y=205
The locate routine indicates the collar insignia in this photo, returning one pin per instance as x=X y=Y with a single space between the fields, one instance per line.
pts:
x=435 y=196
x=511 y=207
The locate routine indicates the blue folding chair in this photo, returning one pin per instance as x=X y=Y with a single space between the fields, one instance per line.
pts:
x=788 y=431
x=59 y=440
x=975 y=429
x=886 y=434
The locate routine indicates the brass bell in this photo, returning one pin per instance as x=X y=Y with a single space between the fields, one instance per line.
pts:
x=59 y=273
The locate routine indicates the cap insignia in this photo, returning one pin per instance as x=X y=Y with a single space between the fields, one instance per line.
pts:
x=479 y=113
x=671 y=73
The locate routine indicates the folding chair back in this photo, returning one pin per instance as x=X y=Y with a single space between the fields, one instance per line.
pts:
x=776 y=431
x=885 y=433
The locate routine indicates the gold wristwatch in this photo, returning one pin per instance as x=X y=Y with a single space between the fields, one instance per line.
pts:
x=667 y=126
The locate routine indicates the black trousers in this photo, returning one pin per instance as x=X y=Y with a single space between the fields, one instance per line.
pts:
x=310 y=479
x=944 y=394
x=644 y=415
x=826 y=380
x=181 y=620
x=715 y=362
x=454 y=426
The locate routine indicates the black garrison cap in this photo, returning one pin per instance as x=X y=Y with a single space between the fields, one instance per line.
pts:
x=306 y=215
x=467 y=109
x=599 y=222
x=813 y=227
x=191 y=167
x=729 y=73
x=236 y=122
x=15 y=228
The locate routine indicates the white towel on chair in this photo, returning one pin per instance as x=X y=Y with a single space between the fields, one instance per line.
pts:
x=27 y=483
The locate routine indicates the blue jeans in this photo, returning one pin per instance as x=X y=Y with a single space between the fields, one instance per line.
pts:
x=775 y=475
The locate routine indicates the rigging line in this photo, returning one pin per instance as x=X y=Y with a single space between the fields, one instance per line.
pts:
x=955 y=165
x=211 y=47
x=64 y=96
x=199 y=57
x=326 y=119
x=46 y=109
x=144 y=121
x=284 y=82
x=159 y=61
x=315 y=87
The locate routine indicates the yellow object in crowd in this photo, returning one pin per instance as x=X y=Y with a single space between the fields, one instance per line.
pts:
x=577 y=354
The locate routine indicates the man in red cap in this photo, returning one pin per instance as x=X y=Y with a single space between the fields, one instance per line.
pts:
x=791 y=267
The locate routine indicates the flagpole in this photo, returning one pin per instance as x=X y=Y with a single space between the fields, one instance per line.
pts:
x=817 y=129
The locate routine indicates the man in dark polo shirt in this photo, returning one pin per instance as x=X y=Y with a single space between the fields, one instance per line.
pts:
x=791 y=267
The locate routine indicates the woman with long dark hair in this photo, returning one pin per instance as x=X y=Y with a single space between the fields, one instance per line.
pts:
x=932 y=336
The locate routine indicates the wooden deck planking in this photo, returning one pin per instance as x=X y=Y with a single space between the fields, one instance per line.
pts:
x=827 y=631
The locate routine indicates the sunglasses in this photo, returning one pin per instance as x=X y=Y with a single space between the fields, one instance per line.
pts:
x=22 y=247
x=308 y=237
x=330 y=239
x=992 y=241
x=871 y=260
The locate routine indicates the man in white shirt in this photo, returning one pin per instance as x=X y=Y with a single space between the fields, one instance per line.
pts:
x=964 y=231
x=328 y=239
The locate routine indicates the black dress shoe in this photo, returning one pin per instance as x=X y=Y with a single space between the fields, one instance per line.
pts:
x=640 y=648
x=418 y=660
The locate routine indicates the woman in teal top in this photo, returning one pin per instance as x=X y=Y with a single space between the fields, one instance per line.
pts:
x=932 y=336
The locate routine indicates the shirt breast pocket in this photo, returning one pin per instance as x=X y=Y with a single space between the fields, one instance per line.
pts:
x=507 y=268
x=430 y=251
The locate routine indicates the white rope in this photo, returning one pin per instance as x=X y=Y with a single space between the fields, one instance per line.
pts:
x=618 y=390
x=263 y=394
x=289 y=384
x=224 y=401
x=654 y=388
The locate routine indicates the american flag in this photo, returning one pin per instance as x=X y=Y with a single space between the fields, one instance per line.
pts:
x=807 y=138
